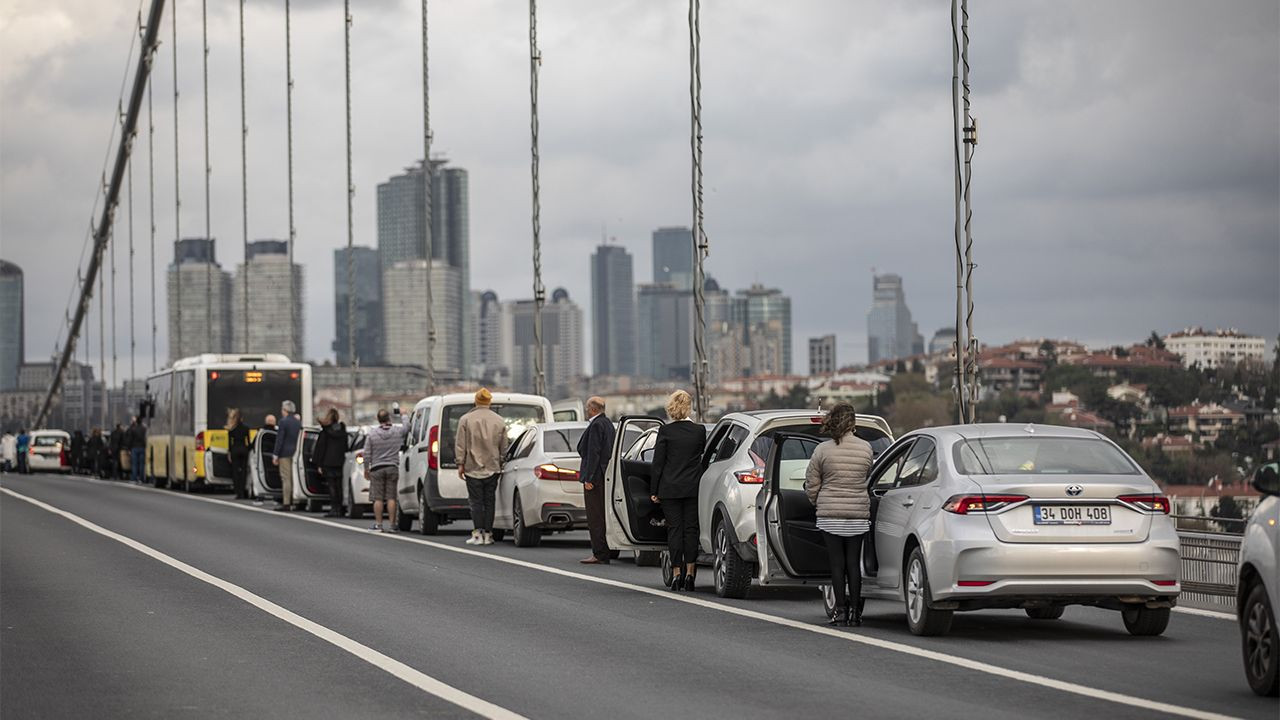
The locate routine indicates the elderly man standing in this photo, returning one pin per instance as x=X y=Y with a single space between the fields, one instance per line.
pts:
x=481 y=442
x=287 y=434
x=594 y=447
x=382 y=466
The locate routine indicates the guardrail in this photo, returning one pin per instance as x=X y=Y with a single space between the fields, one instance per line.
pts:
x=1209 y=562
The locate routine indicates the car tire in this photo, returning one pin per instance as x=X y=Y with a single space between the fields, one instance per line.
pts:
x=1259 y=642
x=404 y=523
x=522 y=534
x=1052 y=612
x=648 y=558
x=730 y=573
x=1145 y=621
x=353 y=510
x=428 y=522
x=922 y=619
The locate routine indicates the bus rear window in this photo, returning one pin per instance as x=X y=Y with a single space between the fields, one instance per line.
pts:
x=257 y=393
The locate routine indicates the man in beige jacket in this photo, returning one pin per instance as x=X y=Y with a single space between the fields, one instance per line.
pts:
x=481 y=443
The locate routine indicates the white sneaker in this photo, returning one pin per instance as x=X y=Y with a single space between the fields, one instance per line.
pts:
x=488 y=539
x=475 y=538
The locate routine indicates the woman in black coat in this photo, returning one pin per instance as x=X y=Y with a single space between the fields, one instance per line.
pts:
x=238 y=452
x=329 y=456
x=677 y=471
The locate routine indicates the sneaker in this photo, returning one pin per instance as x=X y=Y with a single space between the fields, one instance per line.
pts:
x=487 y=538
x=475 y=538
x=393 y=528
x=375 y=528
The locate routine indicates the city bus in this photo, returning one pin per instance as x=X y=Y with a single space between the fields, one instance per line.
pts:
x=186 y=410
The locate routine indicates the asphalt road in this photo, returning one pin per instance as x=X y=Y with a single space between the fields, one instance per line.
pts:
x=200 y=606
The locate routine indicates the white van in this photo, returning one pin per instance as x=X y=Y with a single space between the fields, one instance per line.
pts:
x=429 y=487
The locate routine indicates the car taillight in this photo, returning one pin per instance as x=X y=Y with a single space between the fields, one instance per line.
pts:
x=359 y=457
x=62 y=457
x=965 y=504
x=200 y=441
x=975 y=583
x=1164 y=583
x=1148 y=503
x=433 y=448
x=754 y=476
x=548 y=471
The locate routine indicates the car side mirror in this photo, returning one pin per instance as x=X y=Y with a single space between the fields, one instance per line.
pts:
x=1266 y=480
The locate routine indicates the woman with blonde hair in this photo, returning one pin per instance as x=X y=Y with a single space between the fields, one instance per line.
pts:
x=238 y=452
x=677 y=471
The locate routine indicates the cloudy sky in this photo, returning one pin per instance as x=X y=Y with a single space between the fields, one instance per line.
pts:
x=1127 y=176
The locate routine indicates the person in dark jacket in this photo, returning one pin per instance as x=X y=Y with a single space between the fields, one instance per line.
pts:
x=677 y=471
x=329 y=455
x=594 y=447
x=287 y=435
x=238 y=452
x=137 y=450
x=77 y=451
x=95 y=451
x=119 y=446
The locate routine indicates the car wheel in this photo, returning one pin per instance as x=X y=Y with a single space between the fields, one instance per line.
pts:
x=828 y=600
x=522 y=534
x=1145 y=621
x=648 y=558
x=404 y=523
x=922 y=619
x=353 y=510
x=1260 y=643
x=428 y=522
x=1052 y=612
x=731 y=574
x=315 y=505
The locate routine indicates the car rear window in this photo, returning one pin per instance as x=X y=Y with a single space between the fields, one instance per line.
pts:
x=1041 y=456
x=561 y=440
x=518 y=418
x=46 y=440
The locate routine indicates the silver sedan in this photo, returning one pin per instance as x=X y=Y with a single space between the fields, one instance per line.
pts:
x=999 y=516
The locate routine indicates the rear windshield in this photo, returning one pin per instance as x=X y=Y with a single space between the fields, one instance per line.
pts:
x=1041 y=456
x=517 y=417
x=561 y=440
x=46 y=440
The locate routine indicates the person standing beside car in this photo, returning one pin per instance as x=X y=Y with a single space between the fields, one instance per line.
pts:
x=677 y=472
x=238 y=452
x=287 y=435
x=137 y=437
x=329 y=455
x=382 y=467
x=480 y=444
x=836 y=483
x=594 y=447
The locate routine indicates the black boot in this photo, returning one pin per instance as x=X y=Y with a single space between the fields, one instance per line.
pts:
x=688 y=582
x=839 y=618
x=677 y=583
x=856 y=619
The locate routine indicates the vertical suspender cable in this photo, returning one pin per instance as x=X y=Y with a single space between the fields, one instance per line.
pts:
x=539 y=293
x=244 y=196
x=427 y=216
x=175 y=344
x=295 y=304
x=961 y=395
x=351 y=194
x=208 y=171
x=700 y=244
x=115 y=357
x=151 y=209
x=970 y=141
x=133 y=338
x=102 y=350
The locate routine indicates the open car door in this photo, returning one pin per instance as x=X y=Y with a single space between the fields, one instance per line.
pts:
x=631 y=516
x=791 y=546
x=266 y=476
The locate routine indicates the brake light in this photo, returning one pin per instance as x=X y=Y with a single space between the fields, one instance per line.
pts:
x=549 y=471
x=433 y=448
x=975 y=583
x=965 y=504
x=200 y=441
x=816 y=420
x=1147 y=503
x=359 y=457
x=1164 y=583
x=754 y=476
x=62 y=456
x=754 y=541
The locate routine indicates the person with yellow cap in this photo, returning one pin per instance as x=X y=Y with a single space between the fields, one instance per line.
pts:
x=481 y=442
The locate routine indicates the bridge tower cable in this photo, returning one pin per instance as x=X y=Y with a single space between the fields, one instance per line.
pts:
x=208 y=172
x=102 y=345
x=115 y=357
x=428 y=177
x=969 y=142
x=539 y=292
x=100 y=233
x=295 y=304
x=701 y=247
x=244 y=195
x=351 y=194
x=175 y=343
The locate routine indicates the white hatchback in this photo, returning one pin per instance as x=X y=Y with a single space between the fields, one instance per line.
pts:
x=48 y=451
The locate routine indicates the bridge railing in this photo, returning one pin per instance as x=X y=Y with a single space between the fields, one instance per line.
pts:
x=1209 y=562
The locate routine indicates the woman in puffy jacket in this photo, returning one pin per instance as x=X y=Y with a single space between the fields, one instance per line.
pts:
x=836 y=483
x=329 y=456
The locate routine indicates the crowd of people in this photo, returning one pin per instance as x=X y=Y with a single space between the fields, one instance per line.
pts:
x=118 y=454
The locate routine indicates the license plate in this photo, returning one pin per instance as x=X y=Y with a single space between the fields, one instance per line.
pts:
x=1072 y=514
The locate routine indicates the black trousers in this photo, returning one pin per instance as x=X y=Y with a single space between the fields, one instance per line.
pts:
x=240 y=475
x=333 y=476
x=682 y=530
x=482 y=493
x=594 y=500
x=845 y=554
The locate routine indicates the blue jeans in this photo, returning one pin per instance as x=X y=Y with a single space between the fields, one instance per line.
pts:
x=137 y=458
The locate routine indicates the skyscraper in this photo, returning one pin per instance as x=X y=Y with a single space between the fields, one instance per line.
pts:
x=673 y=257
x=890 y=332
x=404 y=289
x=275 y=320
x=613 y=313
x=664 y=320
x=561 y=343
x=822 y=355
x=490 y=358
x=368 y=305
x=199 y=292
x=402 y=236
x=12 y=352
x=768 y=320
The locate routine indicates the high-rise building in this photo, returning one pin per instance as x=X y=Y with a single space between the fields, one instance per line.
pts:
x=613 y=311
x=404 y=289
x=367 y=277
x=12 y=352
x=275 y=291
x=728 y=357
x=891 y=334
x=561 y=343
x=673 y=257
x=943 y=341
x=490 y=355
x=199 y=293
x=664 y=321
x=768 y=316
x=402 y=236
x=822 y=355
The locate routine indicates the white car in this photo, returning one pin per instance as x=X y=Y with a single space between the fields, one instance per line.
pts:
x=264 y=475
x=49 y=451
x=1258 y=589
x=429 y=487
x=355 y=491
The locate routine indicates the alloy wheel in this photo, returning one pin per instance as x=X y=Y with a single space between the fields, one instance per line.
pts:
x=915 y=591
x=722 y=549
x=517 y=521
x=1258 y=640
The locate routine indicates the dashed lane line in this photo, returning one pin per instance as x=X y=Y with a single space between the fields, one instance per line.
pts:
x=394 y=667
x=953 y=660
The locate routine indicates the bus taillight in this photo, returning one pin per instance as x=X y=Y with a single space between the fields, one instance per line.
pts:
x=200 y=441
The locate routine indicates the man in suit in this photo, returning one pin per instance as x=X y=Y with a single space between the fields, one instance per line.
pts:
x=594 y=447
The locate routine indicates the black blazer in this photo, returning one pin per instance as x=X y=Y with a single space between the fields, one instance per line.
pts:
x=677 y=460
x=594 y=447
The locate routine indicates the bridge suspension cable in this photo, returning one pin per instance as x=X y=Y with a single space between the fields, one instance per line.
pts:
x=701 y=247
x=351 y=194
x=244 y=191
x=175 y=343
x=428 y=177
x=208 y=172
x=295 y=305
x=102 y=346
x=151 y=212
x=133 y=339
x=539 y=292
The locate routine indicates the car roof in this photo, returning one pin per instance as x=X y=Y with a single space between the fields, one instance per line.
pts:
x=470 y=398
x=1008 y=430
x=565 y=425
x=49 y=432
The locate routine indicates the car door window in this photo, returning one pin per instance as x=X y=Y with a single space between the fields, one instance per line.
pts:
x=415 y=428
x=525 y=445
x=760 y=449
x=910 y=472
x=717 y=434
x=886 y=476
x=793 y=461
x=646 y=448
x=731 y=442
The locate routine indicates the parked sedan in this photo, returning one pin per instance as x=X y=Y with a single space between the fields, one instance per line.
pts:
x=355 y=490
x=996 y=516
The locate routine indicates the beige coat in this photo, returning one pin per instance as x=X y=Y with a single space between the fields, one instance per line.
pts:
x=836 y=479
x=481 y=442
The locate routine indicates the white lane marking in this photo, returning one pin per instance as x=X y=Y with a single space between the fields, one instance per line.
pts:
x=394 y=667
x=1216 y=614
x=953 y=660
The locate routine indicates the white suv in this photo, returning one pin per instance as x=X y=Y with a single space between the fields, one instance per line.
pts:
x=1258 y=589
x=738 y=447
